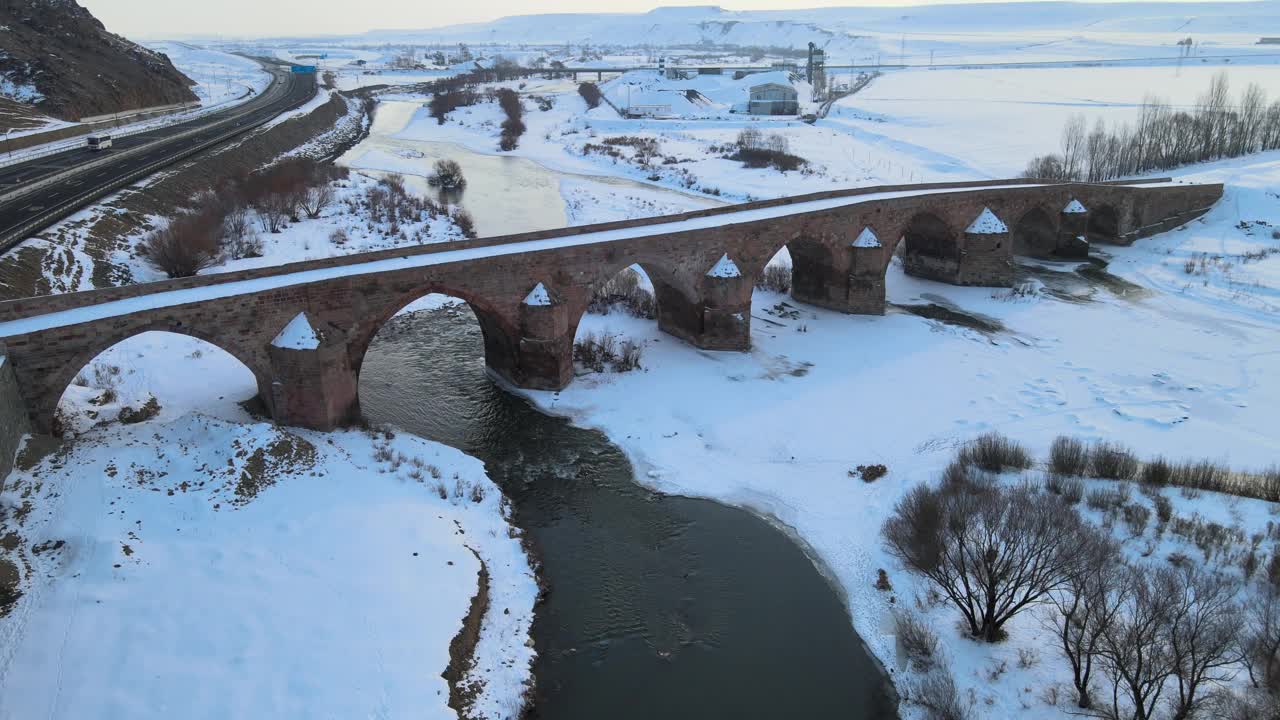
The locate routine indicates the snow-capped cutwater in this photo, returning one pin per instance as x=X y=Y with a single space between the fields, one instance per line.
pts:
x=538 y=296
x=724 y=268
x=867 y=239
x=298 y=335
x=987 y=224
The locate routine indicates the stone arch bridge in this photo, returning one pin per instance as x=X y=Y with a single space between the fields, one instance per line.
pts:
x=303 y=329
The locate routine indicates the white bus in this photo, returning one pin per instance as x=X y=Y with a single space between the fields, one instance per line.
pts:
x=99 y=141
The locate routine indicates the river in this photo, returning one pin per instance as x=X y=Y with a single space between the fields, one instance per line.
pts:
x=658 y=606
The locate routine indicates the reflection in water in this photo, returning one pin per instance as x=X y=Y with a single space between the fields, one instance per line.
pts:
x=658 y=606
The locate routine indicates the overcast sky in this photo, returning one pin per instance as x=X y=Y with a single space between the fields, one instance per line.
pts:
x=159 y=18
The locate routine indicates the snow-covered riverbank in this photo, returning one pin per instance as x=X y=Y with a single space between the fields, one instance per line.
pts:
x=201 y=561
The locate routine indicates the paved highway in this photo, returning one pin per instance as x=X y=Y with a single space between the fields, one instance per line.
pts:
x=39 y=193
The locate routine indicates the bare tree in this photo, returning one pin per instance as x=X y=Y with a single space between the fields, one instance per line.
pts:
x=1261 y=638
x=1135 y=650
x=316 y=198
x=273 y=210
x=1073 y=148
x=1088 y=604
x=1204 y=634
x=993 y=552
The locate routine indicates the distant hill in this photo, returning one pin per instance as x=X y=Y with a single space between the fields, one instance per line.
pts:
x=57 y=57
x=841 y=28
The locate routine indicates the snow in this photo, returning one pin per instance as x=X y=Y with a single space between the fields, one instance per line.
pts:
x=1192 y=380
x=221 y=78
x=21 y=92
x=538 y=296
x=1182 y=368
x=724 y=268
x=1074 y=208
x=298 y=334
x=867 y=239
x=987 y=224
x=177 y=588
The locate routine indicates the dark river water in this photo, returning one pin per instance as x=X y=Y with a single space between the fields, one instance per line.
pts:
x=658 y=606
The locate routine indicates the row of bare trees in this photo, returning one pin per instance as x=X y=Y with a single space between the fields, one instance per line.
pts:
x=220 y=222
x=1217 y=126
x=513 y=127
x=1143 y=640
x=450 y=93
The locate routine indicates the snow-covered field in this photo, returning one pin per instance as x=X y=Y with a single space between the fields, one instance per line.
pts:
x=220 y=77
x=205 y=562
x=988 y=123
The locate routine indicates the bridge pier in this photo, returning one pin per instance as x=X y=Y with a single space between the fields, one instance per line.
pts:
x=544 y=352
x=1073 y=231
x=986 y=259
x=312 y=383
x=720 y=319
x=849 y=280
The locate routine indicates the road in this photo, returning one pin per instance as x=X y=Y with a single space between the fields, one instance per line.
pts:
x=39 y=193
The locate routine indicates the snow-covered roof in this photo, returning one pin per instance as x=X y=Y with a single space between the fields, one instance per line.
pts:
x=298 y=334
x=538 y=296
x=867 y=239
x=987 y=224
x=1074 y=207
x=724 y=268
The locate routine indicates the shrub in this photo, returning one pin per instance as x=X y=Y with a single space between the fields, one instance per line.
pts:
x=1068 y=456
x=591 y=93
x=623 y=289
x=149 y=409
x=1104 y=499
x=1156 y=473
x=1136 y=517
x=1112 y=462
x=595 y=352
x=1070 y=489
x=917 y=640
x=775 y=278
x=956 y=473
x=1164 y=509
x=1202 y=475
x=871 y=473
x=189 y=244
x=513 y=127
x=448 y=175
x=937 y=693
x=1269 y=483
x=882 y=581
x=996 y=453
x=465 y=223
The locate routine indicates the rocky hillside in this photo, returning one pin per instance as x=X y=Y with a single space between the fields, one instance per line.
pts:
x=57 y=56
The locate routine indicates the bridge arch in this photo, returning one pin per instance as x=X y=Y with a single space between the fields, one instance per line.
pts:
x=1104 y=224
x=256 y=374
x=1035 y=234
x=501 y=335
x=928 y=235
